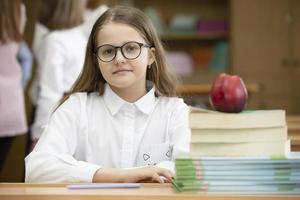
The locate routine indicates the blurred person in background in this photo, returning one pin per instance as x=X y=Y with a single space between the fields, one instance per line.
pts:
x=12 y=116
x=60 y=56
x=25 y=59
x=92 y=11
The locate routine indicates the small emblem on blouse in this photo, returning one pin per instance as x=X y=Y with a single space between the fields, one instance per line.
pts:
x=146 y=156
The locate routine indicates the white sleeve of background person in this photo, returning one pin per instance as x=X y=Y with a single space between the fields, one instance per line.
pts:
x=51 y=60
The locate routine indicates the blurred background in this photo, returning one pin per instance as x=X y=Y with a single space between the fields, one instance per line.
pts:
x=259 y=40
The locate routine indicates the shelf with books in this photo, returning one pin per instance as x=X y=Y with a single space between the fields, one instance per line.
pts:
x=193 y=36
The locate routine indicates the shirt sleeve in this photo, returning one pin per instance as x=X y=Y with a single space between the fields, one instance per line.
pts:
x=52 y=159
x=179 y=133
x=51 y=61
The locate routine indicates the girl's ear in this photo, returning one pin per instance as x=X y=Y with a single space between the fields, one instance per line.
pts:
x=151 y=56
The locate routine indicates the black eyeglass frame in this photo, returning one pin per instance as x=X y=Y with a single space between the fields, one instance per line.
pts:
x=121 y=48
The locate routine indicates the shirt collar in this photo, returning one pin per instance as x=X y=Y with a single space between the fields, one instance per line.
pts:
x=147 y=102
x=112 y=100
x=114 y=103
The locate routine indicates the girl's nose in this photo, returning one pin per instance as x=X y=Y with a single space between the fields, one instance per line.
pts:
x=119 y=57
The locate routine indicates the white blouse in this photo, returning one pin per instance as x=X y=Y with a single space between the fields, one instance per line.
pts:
x=60 y=61
x=90 y=131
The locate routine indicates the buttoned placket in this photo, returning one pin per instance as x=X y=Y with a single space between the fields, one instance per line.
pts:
x=128 y=136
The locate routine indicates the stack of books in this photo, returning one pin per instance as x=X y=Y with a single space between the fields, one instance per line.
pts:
x=238 y=175
x=249 y=133
x=238 y=153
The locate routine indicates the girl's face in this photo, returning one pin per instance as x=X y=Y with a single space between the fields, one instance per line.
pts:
x=122 y=72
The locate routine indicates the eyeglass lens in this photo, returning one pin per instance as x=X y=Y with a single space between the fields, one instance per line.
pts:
x=129 y=50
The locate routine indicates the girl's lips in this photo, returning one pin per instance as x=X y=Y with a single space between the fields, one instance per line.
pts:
x=122 y=71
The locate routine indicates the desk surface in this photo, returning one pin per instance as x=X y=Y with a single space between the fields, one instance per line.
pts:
x=147 y=191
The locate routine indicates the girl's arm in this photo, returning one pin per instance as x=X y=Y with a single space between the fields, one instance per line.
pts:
x=52 y=160
x=142 y=174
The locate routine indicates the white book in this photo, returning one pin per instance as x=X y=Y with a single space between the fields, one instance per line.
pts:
x=239 y=135
x=206 y=119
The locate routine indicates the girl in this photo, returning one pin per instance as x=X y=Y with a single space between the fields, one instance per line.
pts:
x=121 y=122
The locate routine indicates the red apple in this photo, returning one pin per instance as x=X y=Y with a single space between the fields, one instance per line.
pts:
x=228 y=94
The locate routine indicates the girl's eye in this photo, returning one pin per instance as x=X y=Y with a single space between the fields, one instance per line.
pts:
x=131 y=48
x=108 y=52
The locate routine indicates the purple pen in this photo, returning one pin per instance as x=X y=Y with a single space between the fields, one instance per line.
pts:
x=103 y=186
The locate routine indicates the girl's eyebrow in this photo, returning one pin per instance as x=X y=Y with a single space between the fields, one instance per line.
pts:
x=98 y=45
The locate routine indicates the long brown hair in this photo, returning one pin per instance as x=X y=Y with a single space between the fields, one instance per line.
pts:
x=91 y=79
x=10 y=20
x=61 y=14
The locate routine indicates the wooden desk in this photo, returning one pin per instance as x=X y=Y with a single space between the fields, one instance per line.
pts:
x=148 y=191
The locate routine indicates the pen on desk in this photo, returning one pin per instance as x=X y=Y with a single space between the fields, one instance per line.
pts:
x=103 y=186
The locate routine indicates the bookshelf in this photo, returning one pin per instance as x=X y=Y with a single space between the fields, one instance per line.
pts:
x=193 y=36
x=265 y=49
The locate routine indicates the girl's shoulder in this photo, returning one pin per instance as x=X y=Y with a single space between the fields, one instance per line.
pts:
x=79 y=102
x=83 y=97
x=171 y=102
x=75 y=100
x=171 y=106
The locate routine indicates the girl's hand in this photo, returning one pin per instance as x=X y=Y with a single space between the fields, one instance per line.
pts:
x=148 y=174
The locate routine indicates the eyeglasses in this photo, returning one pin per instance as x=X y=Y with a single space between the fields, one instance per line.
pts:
x=130 y=51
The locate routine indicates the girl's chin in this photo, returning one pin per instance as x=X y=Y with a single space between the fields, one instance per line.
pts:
x=121 y=84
